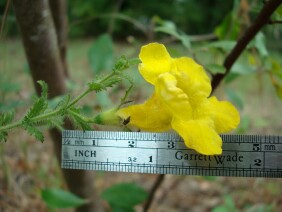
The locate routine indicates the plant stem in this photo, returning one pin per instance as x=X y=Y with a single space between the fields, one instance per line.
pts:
x=261 y=20
x=34 y=119
x=158 y=182
x=56 y=112
x=74 y=101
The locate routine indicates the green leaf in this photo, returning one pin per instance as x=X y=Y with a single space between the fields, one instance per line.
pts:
x=244 y=125
x=170 y=28
x=259 y=44
x=228 y=205
x=225 y=45
x=98 y=86
x=121 y=64
x=6 y=118
x=100 y=54
x=278 y=89
x=78 y=119
x=116 y=208
x=274 y=68
x=242 y=68
x=209 y=178
x=215 y=68
x=41 y=103
x=58 y=198
x=233 y=97
x=230 y=77
x=229 y=28
x=37 y=108
x=124 y=195
x=44 y=89
x=3 y=136
x=32 y=130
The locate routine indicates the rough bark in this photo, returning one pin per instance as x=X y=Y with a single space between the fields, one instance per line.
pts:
x=41 y=46
x=59 y=14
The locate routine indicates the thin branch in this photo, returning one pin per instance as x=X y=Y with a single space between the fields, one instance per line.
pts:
x=261 y=20
x=275 y=22
x=4 y=17
x=158 y=182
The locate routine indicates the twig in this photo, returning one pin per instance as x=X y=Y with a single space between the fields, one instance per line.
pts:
x=261 y=20
x=157 y=184
x=4 y=17
x=275 y=22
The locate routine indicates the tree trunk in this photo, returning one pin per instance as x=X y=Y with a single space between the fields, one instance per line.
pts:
x=41 y=46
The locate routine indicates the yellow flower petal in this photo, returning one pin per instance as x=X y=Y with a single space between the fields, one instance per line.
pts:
x=174 y=98
x=192 y=79
x=224 y=115
x=150 y=116
x=199 y=136
x=155 y=60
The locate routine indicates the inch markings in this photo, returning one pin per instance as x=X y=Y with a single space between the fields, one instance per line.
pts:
x=165 y=153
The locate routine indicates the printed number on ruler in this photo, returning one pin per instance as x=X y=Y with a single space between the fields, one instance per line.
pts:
x=165 y=153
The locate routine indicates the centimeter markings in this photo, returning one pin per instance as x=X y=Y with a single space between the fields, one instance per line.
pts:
x=165 y=153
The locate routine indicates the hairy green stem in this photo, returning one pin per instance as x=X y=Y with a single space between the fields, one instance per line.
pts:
x=51 y=114
x=33 y=120
x=74 y=101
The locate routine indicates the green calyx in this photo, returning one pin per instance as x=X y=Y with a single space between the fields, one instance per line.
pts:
x=108 y=117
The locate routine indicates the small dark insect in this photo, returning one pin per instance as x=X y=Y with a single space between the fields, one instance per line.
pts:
x=126 y=121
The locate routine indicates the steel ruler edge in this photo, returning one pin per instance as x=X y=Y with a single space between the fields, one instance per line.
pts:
x=165 y=153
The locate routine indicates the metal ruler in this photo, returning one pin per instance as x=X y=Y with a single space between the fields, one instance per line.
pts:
x=165 y=153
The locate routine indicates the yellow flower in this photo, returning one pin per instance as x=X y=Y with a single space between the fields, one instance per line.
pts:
x=181 y=102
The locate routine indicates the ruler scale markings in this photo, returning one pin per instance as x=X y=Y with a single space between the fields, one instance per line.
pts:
x=243 y=155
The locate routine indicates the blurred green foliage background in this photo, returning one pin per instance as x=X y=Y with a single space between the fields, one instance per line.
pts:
x=192 y=16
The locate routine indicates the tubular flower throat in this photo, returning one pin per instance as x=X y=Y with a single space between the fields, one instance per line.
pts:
x=181 y=102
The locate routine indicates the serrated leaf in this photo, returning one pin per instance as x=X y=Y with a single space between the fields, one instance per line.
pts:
x=58 y=198
x=77 y=120
x=99 y=86
x=215 y=68
x=121 y=64
x=32 y=130
x=40 y=104
x=44 y=87
x=124 y=195
x=6 y=118
x=100 y=54
x=134 y=61
x=38 y=107
x=3 y=136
